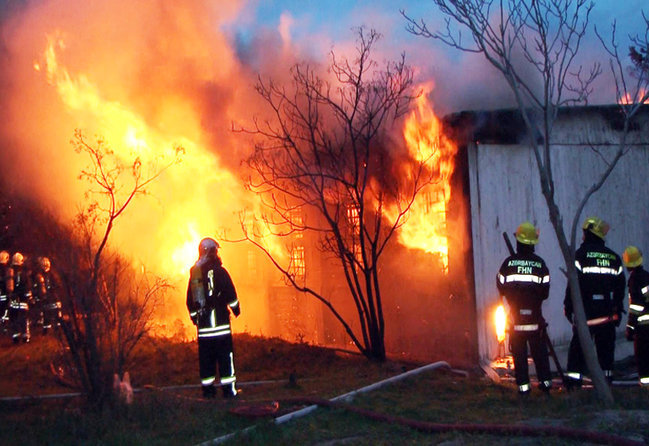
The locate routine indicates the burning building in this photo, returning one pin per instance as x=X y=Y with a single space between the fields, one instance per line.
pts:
x=179 y=80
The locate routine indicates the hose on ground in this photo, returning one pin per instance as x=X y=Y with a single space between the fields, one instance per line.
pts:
x=519 y=430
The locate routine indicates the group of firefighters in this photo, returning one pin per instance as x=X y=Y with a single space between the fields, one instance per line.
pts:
x=27 y=296
x=524 y=282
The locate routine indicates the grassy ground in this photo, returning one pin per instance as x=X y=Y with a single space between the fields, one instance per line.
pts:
x=176 y=416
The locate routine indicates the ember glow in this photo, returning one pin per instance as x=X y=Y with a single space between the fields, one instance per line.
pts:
x=425 y=228
x=500 y=321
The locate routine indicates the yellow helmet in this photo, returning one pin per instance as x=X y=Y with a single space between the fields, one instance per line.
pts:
x=4 y=257
x=527 y=234
x=632 y=257
x=18 y=259
x=597 y=226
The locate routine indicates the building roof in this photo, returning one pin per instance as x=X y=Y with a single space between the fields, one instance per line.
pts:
x=581 y=125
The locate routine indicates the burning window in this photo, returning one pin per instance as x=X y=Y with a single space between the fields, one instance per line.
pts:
x=295 y=217
x=297 y=266
x=353 y=217
x=425 y=227
x=354 y=220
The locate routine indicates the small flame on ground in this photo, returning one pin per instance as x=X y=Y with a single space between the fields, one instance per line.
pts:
x=500 y=320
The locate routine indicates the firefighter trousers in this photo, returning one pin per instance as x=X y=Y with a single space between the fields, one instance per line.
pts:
x=641 y=347
x=212 y=351
x=519 y=341
x=19 y=322
x=604 y=337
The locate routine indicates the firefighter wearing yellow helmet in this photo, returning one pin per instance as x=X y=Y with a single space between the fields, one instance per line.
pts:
x=6 y=286
x=524 y=281
x=637 y=328
x=19 y=300
x=211 y=298
x=601 y=281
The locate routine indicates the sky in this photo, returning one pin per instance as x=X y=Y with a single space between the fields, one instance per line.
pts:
x=314 y=28
x=319 y=26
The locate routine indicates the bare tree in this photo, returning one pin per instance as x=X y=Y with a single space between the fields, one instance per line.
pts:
x=107 y=306
x=325 y=166
x=542 y=37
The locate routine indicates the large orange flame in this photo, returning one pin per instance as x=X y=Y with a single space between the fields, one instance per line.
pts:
x=197 y=198
x=425 y=228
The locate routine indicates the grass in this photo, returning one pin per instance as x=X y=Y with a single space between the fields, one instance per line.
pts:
x=178 y=417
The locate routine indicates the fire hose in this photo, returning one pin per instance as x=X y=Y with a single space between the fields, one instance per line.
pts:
x=472 y=428
x=341 y=402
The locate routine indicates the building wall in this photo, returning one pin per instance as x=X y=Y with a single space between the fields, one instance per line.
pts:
x=505 y=191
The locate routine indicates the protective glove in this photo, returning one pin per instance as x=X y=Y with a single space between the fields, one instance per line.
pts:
x=619 y=319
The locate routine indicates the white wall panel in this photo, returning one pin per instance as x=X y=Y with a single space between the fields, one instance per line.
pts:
x=505 y=191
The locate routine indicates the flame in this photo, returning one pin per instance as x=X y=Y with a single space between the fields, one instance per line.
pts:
x=425 y=228
x=197 y=198
x=500 y=320
x=628 y=98
x=130 y=135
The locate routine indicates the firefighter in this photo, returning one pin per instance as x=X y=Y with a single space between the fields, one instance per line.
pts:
x=6 y=283
x=45 y=294
x=211 y=297
x=602 y=283
x=637 y=328
x=19 y=300
x=524 y=281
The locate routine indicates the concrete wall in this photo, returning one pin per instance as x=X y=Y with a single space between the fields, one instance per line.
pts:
x=505 y=191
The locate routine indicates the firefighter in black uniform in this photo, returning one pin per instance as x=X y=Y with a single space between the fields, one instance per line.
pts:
x=19 y=300
x=5 y=282
x=211 y=297
x=601 y=281
x=524 y=281
x=45 y=294
x=637 y=328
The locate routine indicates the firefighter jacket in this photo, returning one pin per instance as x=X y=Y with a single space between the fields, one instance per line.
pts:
x=22 y=290
x=210 y=309
x=44 y=290
x=6 y=282
x=638 y=299
x=601 y=281
x=524 y=281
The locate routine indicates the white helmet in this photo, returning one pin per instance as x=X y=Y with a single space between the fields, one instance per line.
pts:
x=44 y=263
x=4 y=257
x=208 y=246
x=18 y=259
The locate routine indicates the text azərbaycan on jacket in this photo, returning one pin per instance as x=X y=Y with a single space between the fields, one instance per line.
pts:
x=524 y=280
x=601 y=281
